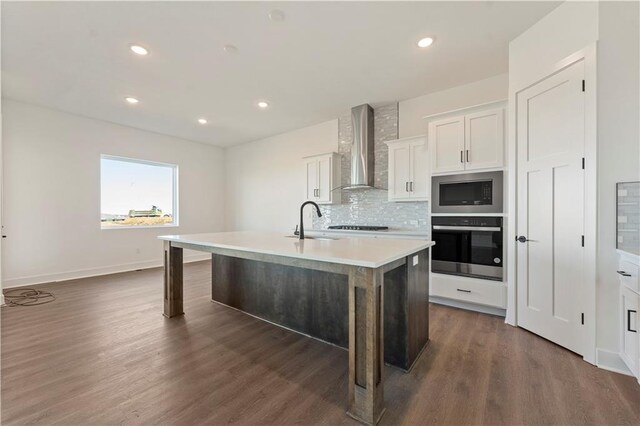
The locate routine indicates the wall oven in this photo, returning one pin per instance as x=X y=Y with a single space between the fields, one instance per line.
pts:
x=467 y=246
x=467 y=193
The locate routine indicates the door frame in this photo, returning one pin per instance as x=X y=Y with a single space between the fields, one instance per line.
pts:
x=589 y=56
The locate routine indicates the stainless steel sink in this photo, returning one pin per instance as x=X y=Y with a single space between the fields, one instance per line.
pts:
x=314 y=238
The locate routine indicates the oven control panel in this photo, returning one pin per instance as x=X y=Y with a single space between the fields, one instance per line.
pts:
x=483 y=221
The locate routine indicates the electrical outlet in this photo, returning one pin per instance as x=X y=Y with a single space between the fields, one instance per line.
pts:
x=415 y=260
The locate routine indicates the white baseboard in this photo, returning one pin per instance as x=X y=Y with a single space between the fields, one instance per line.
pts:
x=468 y=306
x=93 y=272
x=608 y=360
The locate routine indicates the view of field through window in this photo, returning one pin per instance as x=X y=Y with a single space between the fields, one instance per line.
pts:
x=136 y=193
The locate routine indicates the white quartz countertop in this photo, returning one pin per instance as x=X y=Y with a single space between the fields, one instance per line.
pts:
x=367 y=252
x=391 y=233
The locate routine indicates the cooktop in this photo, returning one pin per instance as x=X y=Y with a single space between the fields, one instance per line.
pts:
x=359 y=227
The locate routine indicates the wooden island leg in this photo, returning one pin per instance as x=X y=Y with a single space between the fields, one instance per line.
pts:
x=366 y=356
x=172 y=280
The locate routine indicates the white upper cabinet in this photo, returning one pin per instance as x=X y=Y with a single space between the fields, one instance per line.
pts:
x=447 y=144
x=322 y=178
x=484 y=139
x=468 y=142
x=420 y=186
x=408 y=169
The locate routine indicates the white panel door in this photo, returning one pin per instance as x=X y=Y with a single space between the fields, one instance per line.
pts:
x=550 y=142
x=311 y=188
x=446 y=138
x=419 y=171
x=399 y=172
x=323 y=192
x=484 y=139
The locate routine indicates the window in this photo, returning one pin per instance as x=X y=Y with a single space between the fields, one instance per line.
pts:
x=137 y=193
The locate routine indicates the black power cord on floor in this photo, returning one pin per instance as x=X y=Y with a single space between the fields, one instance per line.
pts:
x=27 y=297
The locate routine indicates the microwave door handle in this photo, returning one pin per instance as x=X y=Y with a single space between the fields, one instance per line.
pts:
x=467 y=228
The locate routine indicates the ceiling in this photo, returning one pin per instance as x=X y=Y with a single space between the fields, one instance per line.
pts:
x=323 y=58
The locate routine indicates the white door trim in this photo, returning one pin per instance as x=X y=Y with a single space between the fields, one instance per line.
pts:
x=588 y=54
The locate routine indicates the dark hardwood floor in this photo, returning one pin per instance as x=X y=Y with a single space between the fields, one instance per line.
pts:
x=102 y=353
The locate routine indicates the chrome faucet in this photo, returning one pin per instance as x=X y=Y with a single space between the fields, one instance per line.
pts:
x=301 y=233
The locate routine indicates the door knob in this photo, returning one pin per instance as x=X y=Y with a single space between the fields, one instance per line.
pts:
x=522 y=239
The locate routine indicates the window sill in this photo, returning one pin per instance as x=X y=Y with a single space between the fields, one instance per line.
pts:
x=109 y=228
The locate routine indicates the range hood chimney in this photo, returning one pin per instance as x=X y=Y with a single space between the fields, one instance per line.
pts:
x=362 y=157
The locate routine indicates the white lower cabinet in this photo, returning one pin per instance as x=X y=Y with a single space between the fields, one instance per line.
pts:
x=628 y=266
x=469 y=290
x=629 y=338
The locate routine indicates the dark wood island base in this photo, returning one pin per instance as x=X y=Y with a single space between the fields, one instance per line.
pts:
x=316 y=303
x=380 y=312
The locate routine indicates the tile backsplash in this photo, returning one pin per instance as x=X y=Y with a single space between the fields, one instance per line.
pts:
x=370 y=206
x=628 y=227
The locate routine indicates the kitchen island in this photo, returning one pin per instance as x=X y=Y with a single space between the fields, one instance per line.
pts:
x=344 y=291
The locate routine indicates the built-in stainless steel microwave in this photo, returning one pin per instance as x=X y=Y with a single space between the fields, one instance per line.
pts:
x=467 y=193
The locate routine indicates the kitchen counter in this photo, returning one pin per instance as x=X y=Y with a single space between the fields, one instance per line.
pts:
x=366 y=252
x=330 y=289
x=391 y=233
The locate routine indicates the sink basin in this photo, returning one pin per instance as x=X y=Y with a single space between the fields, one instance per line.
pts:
x=314 y=238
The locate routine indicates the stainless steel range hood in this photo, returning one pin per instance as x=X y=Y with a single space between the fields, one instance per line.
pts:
x=362 y=158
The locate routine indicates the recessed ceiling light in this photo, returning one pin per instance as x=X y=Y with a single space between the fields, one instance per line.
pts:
x=131 y=100
x=139 y=50
x=230 y=48
x=276 y=15
x=425 y=42
x=263 y=104
x=202 y=120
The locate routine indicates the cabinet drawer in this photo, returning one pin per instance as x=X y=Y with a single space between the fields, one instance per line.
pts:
x=483 y=292
x=628 y=274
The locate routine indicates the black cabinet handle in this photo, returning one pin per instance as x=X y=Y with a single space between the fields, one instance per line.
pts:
x=461 y=156
x=629 y=320
x=463 y=291
x=623 y=273
x=467 y=156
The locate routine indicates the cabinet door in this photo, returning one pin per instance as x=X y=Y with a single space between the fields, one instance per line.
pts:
x=629 y=342
x=324 y=180
x=419 y=171
x=399 y=172
x=484 y=139
x=312 y=180
x=446 y=138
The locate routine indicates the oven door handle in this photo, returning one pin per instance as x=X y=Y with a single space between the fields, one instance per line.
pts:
x=467 y=228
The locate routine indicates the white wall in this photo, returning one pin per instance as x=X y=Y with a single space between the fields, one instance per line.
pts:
x=258 y=170
x=52 y=194
x=265 y=178
x=618 y=145
x=567 y=29
x=411 y=112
